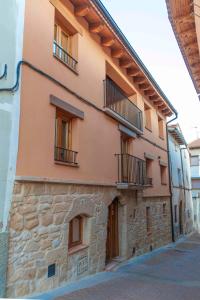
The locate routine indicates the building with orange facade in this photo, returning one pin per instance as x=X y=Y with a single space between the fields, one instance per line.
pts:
x=89 y=182
x=184 y=16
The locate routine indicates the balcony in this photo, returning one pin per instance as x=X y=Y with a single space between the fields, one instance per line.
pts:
x=65 y=156
x=64 y=57
x=132 y=172
x=118 y=106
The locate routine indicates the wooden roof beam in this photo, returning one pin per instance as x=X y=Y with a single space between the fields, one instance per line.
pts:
x=194 y=41
x=107 y=42
x=161 y=106
x=117 y=53
x=157 y=103
x=150 y=92
x=96 y=27
x=82 y=10
x=154 y=97
x=132 y=71
x=144 y=86
x=196 y=64
x=138 y=79
x=189 y=31
x=125 y=63
x=188 y=18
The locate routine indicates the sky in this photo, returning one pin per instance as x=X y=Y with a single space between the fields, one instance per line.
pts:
x=145 y=24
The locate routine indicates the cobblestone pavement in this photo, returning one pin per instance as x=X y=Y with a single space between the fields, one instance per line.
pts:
x=170 y=273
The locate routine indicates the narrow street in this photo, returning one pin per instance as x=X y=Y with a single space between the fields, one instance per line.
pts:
x=169 y=273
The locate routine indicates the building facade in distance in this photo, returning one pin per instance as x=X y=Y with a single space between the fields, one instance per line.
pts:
x=182 y=206
x=195 y=174
x=89 y=180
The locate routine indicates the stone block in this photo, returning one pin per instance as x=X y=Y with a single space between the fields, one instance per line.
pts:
x=59 y=218
x=45 y=244
x=46 y=219
x=61 y=207
x=29 y=274
x=32 y=246
x=17 y=222
x=22 y=289
x=32 y=223
x=26 y=209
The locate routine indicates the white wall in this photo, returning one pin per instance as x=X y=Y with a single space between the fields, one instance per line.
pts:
x=181 y=185
x=11 y=33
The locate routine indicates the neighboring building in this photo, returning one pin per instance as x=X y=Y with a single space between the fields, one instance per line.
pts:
x=11 y=32
x=185 y=21
x=182 y=206
x=89 y=182
x=195 y=173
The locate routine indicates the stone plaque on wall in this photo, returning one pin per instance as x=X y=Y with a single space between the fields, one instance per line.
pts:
x=82 y=265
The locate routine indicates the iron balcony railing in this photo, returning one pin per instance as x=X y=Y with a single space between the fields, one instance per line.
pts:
x=65 y=57
x=117 y=101
x=65 y=155
x=132 y=170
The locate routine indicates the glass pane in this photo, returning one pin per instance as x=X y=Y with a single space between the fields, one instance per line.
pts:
x=75 y=230
x=194 y=161
x=64 y=127
x=55 y=33
x=64 y=41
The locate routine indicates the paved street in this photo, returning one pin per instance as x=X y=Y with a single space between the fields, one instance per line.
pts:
x=172 y=272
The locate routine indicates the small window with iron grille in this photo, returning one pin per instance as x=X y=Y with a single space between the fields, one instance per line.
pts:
x=76 y=231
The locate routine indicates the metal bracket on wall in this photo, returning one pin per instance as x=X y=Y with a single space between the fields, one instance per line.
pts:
x=4 y=75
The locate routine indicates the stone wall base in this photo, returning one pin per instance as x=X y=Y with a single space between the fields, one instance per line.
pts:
x=3 y=262
x=39 y=227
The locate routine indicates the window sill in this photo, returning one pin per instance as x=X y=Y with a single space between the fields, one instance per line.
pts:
x=149 y=129
x=62 y=163
x=163 y=183
x=66 y=65
x=76 y=249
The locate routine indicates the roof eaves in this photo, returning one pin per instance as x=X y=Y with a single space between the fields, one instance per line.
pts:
x=124 y=40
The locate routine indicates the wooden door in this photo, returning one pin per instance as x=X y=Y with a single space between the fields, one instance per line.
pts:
x=112 y=244
x=180 y=218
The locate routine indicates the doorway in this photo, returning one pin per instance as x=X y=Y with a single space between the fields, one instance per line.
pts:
x=112 y=243
x=180 y=218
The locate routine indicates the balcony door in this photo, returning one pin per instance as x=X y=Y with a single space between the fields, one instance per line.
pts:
x=125 y=151
x=112 y=243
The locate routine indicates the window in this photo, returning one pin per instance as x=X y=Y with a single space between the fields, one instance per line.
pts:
x=195 y=160
x=148 y=220
x=125 y=144
x=76 y=231
x=63 y=138
x=161 y=127
x=163 y=174
x=149 y=163
x=179 y=177
x=164 y=209
x=62 y=38
x=175 y=213
x=64 y=44
x=147 y=113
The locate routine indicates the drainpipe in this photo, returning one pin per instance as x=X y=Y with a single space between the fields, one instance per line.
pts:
x=181 y=149
x=169 y=173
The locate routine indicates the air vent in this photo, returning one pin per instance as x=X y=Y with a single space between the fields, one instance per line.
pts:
x=51 y=270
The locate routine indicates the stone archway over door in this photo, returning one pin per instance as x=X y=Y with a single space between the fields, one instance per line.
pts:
x=112 y=242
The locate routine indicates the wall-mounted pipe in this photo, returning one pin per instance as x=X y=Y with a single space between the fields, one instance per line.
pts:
x=4 y=75
x=169 y=173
